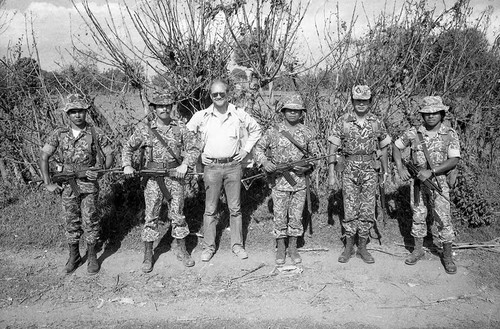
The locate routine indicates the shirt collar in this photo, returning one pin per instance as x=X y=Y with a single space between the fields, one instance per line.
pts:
x=443 y=130
x=230 y=109
x=351 y=117
x=154 y=125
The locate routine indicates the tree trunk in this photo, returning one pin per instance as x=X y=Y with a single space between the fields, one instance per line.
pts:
x=3 y=171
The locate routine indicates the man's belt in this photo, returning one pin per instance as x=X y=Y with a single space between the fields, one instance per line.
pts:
x=360 y=157
x=162 y=165
x=221 y=160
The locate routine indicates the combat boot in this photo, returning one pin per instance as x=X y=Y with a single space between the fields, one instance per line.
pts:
x=348 y=251
x=280 y=251
x=92 y=263
x=147 y=263
x=182 y=253
x=362 y=252
x=449 y=265
x=292 y=250
x=417 y=253
x=75 y=259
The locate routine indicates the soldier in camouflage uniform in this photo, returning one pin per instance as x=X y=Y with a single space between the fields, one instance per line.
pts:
x=168 y=144
x=288 y=200
x=79 y=146
x=362 y=139
x=444 y=153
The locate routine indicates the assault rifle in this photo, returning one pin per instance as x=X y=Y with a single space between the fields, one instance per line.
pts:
x=283 y=169
x=381 y=185
x=413 y=170
x=70 y=177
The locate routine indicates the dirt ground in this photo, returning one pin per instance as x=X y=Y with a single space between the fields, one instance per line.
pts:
x=228 y=292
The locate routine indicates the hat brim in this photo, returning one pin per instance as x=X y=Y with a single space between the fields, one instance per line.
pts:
x=361 y=98
x=75 y=106
x=293 y=107
x=433 y=108
x=161 y=104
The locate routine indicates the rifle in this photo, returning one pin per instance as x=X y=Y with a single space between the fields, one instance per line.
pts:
x=381 y=186
x=413 y=170
x=70 y=177
x=157 y=174
x=281 y=168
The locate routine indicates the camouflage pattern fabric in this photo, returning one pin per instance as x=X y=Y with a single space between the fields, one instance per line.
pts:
x=153 y=198
x=441 y=146
x=283 y=151
x=359 y=181
x=440 y=208
x=183 y=143
x=359 y=139
x=80 y=215
x=180 y=140
x=359 y=187
x=76 y=153
x=287 y=208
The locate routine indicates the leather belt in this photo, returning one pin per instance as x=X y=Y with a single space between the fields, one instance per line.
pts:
x=161 y=165
x=221 y=160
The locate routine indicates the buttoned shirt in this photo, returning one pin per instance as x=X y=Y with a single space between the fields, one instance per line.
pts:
x=182 y=142
x=359 y=138
x=281 y=150
x=441 y=146
x=223 y=135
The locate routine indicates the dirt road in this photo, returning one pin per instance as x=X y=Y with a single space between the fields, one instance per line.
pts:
x=228 y=292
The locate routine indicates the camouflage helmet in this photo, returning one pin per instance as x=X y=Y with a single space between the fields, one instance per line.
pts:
x=361 y=92
x=162 y=99
x=292 y=102
x=75 y=101
x=432 y=104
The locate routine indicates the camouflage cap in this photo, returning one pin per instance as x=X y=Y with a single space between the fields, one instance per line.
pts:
x=75 y=101
x=432 y=104
x=293 y=102
x=162 y=99
x=361 y=92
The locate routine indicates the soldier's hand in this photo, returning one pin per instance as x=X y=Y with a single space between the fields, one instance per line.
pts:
x=129 y=171
x=53 y=188
x=205 y=160
x=423 y=175
x=269 y=166
x=181 y=171
x=332 y=183
x=91 y=174
x=240 y=156
x=404 y=174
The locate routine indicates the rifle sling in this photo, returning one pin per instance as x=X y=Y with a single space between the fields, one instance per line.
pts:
x=74 y=186
x=163 y=188
x=162 y=141
x=426 y=154
x=100 y=154
x=292 y=140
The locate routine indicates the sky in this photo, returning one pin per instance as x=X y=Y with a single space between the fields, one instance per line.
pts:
x=56 y=21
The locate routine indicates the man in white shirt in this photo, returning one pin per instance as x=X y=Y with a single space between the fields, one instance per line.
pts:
x=227 y=134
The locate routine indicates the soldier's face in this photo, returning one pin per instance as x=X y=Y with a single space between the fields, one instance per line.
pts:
x=77 y=116
x=292 y=116
x=218 y=93
x=163 y=111
x=432 y=119
x=361 y=105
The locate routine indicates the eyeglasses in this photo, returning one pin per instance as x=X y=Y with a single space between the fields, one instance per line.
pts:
x=221 y=95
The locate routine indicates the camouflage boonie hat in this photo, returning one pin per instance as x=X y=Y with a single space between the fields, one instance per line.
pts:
x=162 y=99
x=432 y=104
x=75 y=101
x=361 y=92
x=293 y=102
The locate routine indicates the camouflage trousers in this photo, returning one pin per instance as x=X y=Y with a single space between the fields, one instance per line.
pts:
x=287 y=208
x=153 y=198
x=80 y=215
x=359 y=188
x=439 y=207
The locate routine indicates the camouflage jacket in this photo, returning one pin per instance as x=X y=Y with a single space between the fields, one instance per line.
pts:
x=182 y=142
x=275 y=147
x=77 y=153
x=441 y=146
x=361 y=139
